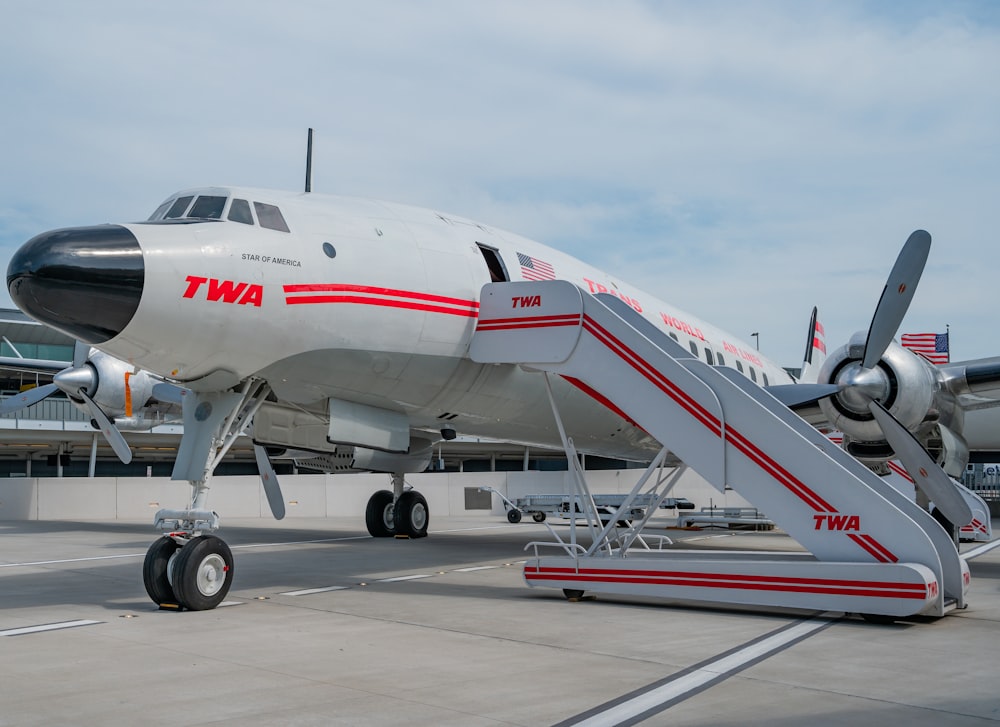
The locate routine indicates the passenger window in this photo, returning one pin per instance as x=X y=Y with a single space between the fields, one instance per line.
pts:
x=177 y=208
x=674 y=336
x=207 y=207
x=722 y=361
x=765 y=379
x=239 y=211
x=498 y=273
x=753 y=375
x=739 y=366
x=708 y=356
x=159 y=212
x=694 y=348
x=270 y=217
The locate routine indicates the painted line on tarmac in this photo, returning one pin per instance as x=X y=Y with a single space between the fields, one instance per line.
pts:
x=300 y=542
x=49 y=627
x=475 y=568
x=981 y=550
x=71 y=560
x=654 y=698
x=397 y=579
x=310 y=591
x=143 y=555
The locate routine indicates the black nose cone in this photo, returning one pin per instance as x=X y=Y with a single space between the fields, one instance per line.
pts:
x=85 y=281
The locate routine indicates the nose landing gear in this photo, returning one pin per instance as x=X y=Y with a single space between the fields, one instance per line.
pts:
x=195 y=573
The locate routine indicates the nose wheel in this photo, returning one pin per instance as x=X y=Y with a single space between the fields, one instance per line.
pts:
x=196 y=576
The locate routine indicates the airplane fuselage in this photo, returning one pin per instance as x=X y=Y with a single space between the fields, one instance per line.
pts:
x=376 y=303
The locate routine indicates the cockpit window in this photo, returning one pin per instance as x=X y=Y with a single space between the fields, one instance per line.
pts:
x=270 y=217
x=177 y=208
x=239 y=211
x=159 y=211
x=207 y=207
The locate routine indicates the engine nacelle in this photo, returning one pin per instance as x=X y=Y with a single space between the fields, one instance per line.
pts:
x=902 y=382
x=117 y=388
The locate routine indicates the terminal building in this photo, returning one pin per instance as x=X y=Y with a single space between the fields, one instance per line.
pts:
x=54 y=438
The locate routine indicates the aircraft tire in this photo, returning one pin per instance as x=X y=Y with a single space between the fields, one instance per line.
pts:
x=412 y=515
x=154 y=571
x=513 y=516
x=203 y=573
x=380 y=515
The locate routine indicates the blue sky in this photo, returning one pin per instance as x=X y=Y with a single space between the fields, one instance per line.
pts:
x=744 y=161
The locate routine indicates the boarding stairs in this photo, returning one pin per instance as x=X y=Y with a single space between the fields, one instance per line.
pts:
x=871 y=550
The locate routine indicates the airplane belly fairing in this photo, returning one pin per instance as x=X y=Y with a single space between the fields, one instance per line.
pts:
x=501 y=402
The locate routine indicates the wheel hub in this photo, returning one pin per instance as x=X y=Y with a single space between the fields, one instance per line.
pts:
x=211 y=575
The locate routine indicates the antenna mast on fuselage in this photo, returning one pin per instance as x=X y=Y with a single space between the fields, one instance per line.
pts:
x=309 y=161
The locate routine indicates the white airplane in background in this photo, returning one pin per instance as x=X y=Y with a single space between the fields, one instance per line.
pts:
x=339 y=329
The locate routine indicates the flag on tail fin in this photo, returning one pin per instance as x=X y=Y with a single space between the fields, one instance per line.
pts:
x=932 y=346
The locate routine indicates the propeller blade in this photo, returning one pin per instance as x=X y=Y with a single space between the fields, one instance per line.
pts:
x=270 y=482
x=81 y=352
x=792 y=395
x=896 y=296
x=108 y=429
x=926 y=473
x=27 y=398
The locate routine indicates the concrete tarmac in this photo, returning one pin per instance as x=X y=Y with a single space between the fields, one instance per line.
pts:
x=327 y=626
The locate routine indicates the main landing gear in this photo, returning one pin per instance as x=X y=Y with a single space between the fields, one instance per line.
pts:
x=397 y=513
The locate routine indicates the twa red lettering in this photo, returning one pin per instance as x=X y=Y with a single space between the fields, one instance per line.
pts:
x=837 y=522
x=598 y=288
x=743 y=353
x=225 y=291
x=526 y=301
x=682 y=326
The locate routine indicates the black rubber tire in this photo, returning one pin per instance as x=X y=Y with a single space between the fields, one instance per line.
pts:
x=378 y=512
x=538 y=517
x=412 y=515
x=514 y=516
x=572 y=594
x=154 y=571
x=203 y=573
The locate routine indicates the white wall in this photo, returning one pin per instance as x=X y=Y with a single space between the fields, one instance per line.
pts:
x=138 y=498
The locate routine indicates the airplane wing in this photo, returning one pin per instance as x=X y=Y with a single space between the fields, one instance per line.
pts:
x=32 y=365
x=975 y=383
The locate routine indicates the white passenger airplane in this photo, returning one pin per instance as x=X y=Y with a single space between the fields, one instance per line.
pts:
x=339 y=329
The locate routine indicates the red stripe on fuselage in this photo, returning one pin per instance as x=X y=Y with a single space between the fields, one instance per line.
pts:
x=325 y=293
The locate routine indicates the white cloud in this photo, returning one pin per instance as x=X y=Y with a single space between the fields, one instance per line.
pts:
x=743 y=160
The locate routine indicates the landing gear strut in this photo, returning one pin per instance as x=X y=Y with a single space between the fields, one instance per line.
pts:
x=398 y=512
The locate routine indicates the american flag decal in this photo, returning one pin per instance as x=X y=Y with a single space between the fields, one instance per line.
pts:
x=534 y=269
x=932 y=346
